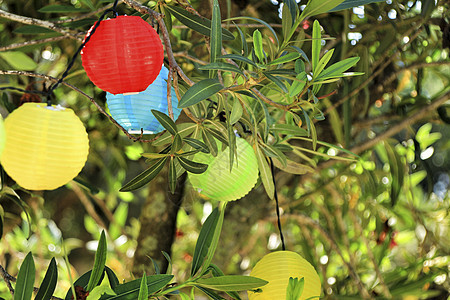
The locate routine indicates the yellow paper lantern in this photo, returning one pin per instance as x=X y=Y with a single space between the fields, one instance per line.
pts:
x=46 y=146
x=2 y=136
x=276 y=268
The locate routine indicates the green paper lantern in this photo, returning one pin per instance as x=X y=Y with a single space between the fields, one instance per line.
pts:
x=217 y=182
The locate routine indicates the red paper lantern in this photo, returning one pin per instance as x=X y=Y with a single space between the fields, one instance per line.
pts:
x=124 y=55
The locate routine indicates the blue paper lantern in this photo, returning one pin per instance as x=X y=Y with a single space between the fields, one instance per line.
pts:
x=133 y=111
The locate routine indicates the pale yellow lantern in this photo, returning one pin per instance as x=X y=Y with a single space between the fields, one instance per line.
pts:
x=46 y=146
x=276 y=268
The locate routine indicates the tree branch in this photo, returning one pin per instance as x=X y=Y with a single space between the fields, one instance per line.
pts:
x=46 y=24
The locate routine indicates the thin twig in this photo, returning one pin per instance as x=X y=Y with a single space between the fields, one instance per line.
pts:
x=46 y=24
x=33 y=42
x=87 y=15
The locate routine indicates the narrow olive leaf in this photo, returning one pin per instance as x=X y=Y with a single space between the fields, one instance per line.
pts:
x=204 y=240
x=258 y=45
x=298 y=85
x=353 y=3
x=130 y=290
x=143 y=290
x=295 y=288
x=265 y=172
x=316 y=45
x=167 y=18
x=292 y=167
x=209 y=293
x=221 y=66
x=169 y=267
x=112 y=278
x=336 y=69
x=154 y=155
x=244 y=45
x=48 y=284
x=322 y=63
x=177 y=143
x=216 y=271
x=172 y=175
x=283 y=72
x=299 y=66
x=285 y=58
x=25 y=279
x=82 y=281
x=196 y=23
x=196 y=144
x=315 y=7
x=215 y=36
x=239 y=58
x=183 y=129
x=277 y=81
x=274 y=152
x=56 y=8
x=259 y=21
x=293 y=8
x=288 y=129
x=192 y=166
x=231 y=283
x=236 y=112
x=218 y=134
x=19 y=60
x=200 y=91
x=145 y=177
x=32 y=29
x=210 y=142
x=286 y=22
x=165 y=121
x=99 y=263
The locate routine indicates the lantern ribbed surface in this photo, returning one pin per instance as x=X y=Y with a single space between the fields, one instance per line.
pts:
x=133 y=112
x=217 y=182
x=124 y=55
x=46 y=147
x=276 y=268
x=2 y=136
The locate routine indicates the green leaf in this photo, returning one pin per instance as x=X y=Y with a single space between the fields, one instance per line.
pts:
x=221 y=66
x=143 y=291
x=293 y=8
x=112 y=278
x=353 y=3
x=48 y=284
x=316 y=45
x=196 y=23
x=285 y=58
x=25 y=279
x=265 y=173
x=165 y=121
x=184 y=129
x=244 y=45
x=210 y=293
x=100 y=290
x=298 y=85
x=196 y=144
x=315 y=7
x=397 y=170
x=145 y=177
x=295 y=288
x=292 y=167
x=239 y=58
x=200 y=91
x=57 y=8
x=167 y=18
x=336 y=69
x=231 y=283
x=288 y=130
x=287 y=21
x=130 y=290
x=210 y=142
x=18 y=60
x=204 y=241
x=120 y=217
x=215 y=37
x=155 y=155
x=236 y=112
x=32 y=29
x=99 y=263
x=172 y=175
x=258 y=45
x=176 y=144
x=277 y=81
x=259 y=21
x=322 y=63
x=192 y=166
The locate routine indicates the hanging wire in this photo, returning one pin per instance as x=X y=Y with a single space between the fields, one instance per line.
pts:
x=86 y=40
x=272 y=169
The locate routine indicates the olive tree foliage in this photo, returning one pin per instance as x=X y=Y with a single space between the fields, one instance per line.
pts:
x=340 y=106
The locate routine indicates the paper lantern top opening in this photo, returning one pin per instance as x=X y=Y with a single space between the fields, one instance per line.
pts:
x=124 y=55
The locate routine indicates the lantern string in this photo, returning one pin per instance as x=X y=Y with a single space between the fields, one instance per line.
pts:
x=272 y=169
x=86 y=40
